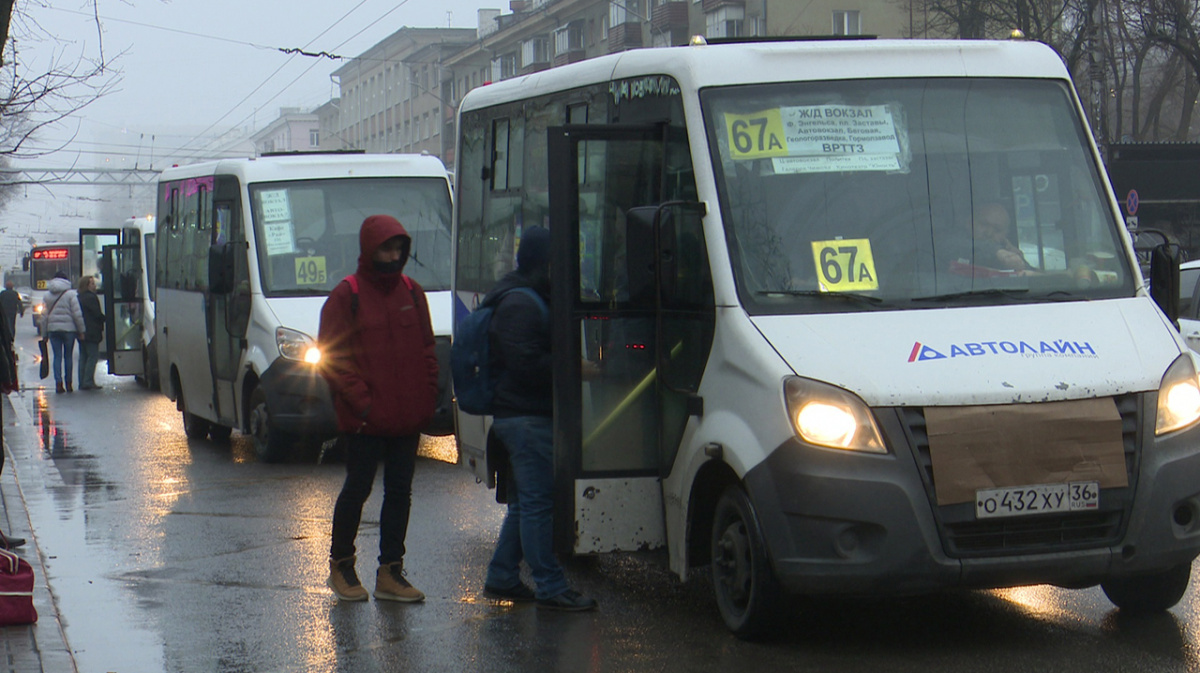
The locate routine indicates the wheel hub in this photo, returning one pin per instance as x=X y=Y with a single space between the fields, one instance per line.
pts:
x=733 y=562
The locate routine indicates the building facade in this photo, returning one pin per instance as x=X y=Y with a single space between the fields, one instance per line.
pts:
x=401 y=95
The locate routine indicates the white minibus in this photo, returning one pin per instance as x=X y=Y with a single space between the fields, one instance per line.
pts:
x=867 y=318
x=248 y=250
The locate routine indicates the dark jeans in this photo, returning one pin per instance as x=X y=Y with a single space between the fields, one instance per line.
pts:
x=528 y=529
x=89 y=355
x=62 y=346
x=363 y=454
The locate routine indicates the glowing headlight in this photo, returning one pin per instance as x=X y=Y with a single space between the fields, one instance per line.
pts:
x=1178 y=397
x=825 y=415
x=295 y=345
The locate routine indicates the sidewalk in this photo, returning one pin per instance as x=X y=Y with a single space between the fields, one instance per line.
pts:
x=41 y=647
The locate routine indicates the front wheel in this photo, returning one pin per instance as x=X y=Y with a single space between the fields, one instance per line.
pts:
x=745 y=586
x=270 y=443
x=1152 y=592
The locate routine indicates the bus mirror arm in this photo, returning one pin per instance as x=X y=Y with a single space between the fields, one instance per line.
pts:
x=1164 y=280
x=220 y=268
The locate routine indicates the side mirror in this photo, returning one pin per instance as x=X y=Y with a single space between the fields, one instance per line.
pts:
x=640 y=255
x=25 y=263
x=1164 y=279
x=220 y=268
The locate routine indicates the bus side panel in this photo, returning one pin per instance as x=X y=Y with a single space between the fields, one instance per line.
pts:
x=183 y=350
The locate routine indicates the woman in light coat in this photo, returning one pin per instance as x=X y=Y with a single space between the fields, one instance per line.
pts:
x=62 y=322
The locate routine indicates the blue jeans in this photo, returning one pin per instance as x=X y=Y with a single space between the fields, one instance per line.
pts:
x=89 y=355
x=528 y=529
x=363 y=454
x=62 y=346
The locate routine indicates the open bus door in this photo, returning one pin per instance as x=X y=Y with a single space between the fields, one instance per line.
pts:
x=616 y=433
x=124 y=304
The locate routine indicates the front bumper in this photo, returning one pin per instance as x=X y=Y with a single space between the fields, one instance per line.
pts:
x=298 y=399
x=848 y=523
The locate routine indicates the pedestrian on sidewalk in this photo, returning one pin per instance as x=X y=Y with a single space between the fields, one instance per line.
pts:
x=10 y=306
x=522 y=420
x=62 y=322
x=377 y=353
x=89 y=345
x=8 y=384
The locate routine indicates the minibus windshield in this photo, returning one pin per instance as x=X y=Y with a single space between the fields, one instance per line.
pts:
x=307 y=230
x=916 y=193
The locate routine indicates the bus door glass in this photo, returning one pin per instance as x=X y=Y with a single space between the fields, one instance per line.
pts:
x=123 y=308
x=607 y=408
x=228 y=312
x=91 y=248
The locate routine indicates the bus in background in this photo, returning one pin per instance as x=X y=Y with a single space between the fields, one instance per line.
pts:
x=122 y=260
x=43 y=262
x=248 y=250
x=819 y=375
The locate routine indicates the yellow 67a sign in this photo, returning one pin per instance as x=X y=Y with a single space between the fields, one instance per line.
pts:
x=845 y=266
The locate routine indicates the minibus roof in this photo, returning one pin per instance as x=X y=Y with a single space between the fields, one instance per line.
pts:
x=314 y=166
x=696 y=67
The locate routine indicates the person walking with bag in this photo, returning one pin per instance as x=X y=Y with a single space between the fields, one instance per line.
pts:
x=89 y=344
x=522 y=410
x=377 y=353
x=62 y=322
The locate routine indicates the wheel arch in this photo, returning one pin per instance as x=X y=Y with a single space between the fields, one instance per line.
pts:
x=249 y=383
x=710 y=482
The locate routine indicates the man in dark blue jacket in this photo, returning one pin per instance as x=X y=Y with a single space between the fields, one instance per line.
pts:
x=522 y=406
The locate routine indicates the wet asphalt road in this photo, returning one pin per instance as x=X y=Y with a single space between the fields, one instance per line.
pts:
x=165 y=554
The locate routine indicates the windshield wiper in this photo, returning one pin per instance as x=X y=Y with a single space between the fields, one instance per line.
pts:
x=1011 y=293
x=864 y=298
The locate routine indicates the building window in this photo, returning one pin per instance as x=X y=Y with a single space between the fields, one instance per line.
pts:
x=314 y=138
x=569 y=38
x=535 y=51
x=847 y=22
x=725 y=22
x=625 y=11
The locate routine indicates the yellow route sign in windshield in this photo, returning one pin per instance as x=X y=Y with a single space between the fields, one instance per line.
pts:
x=310 y=271
x=756 y=135
x=845 y=265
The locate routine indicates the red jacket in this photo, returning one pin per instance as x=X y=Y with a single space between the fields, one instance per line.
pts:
x=379 y=359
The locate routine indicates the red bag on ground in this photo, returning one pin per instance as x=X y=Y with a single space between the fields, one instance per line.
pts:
x=16 y=590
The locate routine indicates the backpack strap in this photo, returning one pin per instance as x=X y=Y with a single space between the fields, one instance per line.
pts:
x=352 y=280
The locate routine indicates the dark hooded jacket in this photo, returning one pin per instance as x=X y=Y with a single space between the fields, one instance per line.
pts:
x=519 y=334
x=377 y=351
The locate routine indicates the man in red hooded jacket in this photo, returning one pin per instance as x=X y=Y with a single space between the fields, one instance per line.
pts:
x=378 y=355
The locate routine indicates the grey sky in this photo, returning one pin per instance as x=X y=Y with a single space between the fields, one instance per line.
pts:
x=186 y=68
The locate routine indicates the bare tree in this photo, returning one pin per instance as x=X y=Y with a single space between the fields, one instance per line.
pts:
x=34 y=98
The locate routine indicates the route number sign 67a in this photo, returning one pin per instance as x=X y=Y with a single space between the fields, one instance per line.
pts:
x=845 y=265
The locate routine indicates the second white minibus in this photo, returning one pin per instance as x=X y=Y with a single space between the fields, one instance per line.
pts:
x=248 y=250
x=867 y=318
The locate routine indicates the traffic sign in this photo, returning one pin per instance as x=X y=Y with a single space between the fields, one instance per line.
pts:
x=1131 y=202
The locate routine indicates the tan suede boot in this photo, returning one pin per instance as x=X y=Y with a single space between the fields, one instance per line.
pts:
x=391 y=585
x=344 y=581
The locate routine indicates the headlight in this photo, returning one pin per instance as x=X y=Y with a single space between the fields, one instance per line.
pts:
x=295 y=345
x=825 y=415
x=1178 y=397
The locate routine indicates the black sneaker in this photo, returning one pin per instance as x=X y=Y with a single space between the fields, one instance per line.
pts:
x=568 y=601
x=520 y=593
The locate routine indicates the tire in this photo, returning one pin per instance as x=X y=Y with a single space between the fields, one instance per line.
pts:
x=1152 y=592
x=746 y=590
x=193 y=426
x=270 y=443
